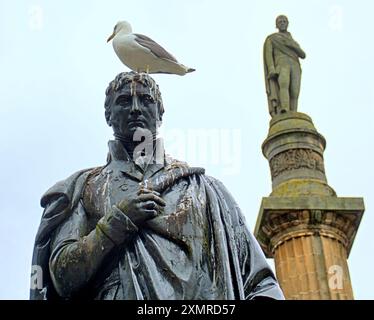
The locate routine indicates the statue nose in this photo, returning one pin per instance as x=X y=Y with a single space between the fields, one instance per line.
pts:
x=135 y=105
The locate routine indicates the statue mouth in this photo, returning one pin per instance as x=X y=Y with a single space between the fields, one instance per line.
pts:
x=136 y=123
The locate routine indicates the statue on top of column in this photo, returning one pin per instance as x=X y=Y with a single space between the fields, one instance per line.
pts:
x=282 y=69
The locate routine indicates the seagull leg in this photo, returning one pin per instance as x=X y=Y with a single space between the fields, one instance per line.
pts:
x=147 y=70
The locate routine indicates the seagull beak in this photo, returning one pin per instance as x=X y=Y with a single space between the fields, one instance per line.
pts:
x=111 y=37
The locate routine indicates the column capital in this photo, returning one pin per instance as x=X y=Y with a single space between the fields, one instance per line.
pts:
x=283 y=218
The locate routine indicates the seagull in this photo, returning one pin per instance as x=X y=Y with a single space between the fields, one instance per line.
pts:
x=141 y=54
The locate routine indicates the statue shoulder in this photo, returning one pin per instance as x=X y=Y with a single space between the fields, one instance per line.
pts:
x=174 y=170
x=69 y=188
x=220 y=187
x=269 y=41
x=272 y=36
x=171 y=163
x=224 y=196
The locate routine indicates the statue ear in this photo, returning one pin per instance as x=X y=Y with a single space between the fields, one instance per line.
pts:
x=159 y=122
x=109 y=121
x=159 y=113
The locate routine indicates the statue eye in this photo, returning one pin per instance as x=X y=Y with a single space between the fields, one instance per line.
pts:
x=124 y=101
x=148 y=99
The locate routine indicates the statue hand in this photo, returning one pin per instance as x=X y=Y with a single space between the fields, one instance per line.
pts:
x=144 y=206
x=273 y=75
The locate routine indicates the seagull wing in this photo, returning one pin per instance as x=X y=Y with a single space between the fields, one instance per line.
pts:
x=155 y=48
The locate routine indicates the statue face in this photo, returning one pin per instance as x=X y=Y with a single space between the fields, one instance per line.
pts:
x=134 y=107
x=282 y=23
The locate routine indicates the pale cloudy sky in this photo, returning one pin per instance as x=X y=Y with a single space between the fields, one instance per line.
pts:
x=55 y=65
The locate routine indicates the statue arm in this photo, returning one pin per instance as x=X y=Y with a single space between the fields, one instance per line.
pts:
x=268 y=56
x=259 y=281
x=78 y=254
x=300 y=52
x=253 y=274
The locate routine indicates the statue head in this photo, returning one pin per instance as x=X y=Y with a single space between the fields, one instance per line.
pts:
x=281 y=23
x=133 y=101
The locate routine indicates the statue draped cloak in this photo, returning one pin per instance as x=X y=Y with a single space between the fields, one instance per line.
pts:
x=238 y=268
x=287 y=45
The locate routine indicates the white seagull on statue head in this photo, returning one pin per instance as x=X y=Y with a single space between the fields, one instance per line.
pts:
x=142 y=54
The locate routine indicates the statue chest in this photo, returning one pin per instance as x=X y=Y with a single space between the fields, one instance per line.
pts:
x=184 y=215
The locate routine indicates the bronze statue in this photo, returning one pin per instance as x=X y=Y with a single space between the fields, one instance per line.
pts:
x=145 y=226
x=282 y=69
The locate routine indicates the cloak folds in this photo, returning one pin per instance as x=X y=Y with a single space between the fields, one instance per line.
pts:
x=243 y=272
x=59 y=203
x=271 y=85
x=288 y=47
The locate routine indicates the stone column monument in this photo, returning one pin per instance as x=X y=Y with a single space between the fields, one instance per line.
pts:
x=303 y=224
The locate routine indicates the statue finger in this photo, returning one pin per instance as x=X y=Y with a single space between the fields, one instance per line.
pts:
x=145 y=190
x=150 y=213
x=150 y=205
x=160 y=210
x=152 y=197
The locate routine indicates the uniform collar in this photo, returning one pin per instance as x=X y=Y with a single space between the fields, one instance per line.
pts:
x=119 y=157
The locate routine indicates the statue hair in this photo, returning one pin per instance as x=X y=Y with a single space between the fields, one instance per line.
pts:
x=127 y=78
x=280 y=16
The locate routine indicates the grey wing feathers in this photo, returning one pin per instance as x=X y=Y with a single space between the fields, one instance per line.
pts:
x=155 y=48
